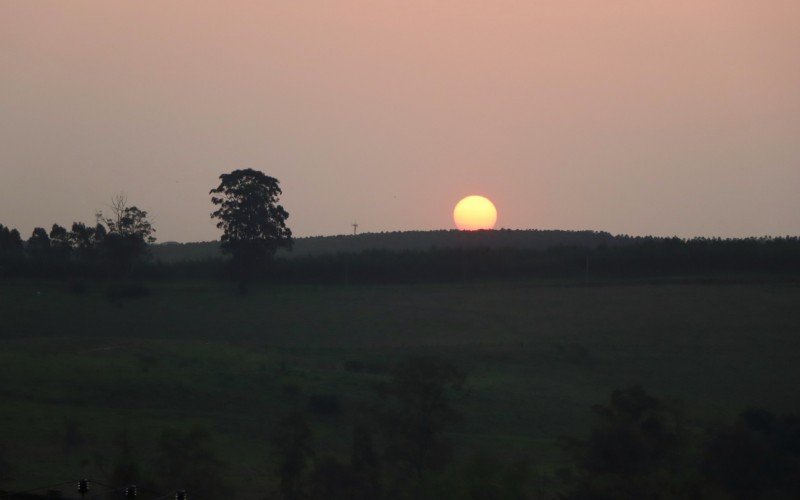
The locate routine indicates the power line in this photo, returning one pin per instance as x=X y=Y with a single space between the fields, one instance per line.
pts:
x=82 y=486
x=104 y=493
x=32 y=490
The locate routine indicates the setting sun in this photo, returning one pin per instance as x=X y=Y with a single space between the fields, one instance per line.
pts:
x=475 y=212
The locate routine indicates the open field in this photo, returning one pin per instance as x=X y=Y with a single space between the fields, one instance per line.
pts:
x=78 y=369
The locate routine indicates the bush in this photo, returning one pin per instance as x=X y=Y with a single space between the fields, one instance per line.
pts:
x=190 y=458
x=354 y=366
x=291 y=391
x=324 y=404
x=77 y=287
x=357 y=366
x=129 y=291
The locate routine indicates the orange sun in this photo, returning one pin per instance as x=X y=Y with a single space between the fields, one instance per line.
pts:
x=475 y=212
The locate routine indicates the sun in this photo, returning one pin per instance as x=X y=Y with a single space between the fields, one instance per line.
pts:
x=475 y=212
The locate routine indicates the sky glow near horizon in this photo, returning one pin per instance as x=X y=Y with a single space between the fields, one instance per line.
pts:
x=632 y=117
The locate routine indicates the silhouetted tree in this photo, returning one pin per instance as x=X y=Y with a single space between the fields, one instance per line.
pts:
x=485 y=478
x=329 y=477
x=253 y=223
x=9 y=239
x=125 y=470
x=59 y=237
x=292 y=445
x=365 y=465
x=86 y=240
x=81 y=237
x=11 y=249
x=128 y=233
x=60 y=245
x=4 y=465
x=188 y=460
x=100 y=233
x=39 y=245
x=756 y=458
x=333 y=480
x=638 y=449
x=417 y=412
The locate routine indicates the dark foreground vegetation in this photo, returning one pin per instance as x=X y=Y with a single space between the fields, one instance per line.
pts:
x=638 y=447
x=477 y=390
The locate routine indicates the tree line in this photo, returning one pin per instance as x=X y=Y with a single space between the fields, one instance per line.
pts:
x=253 y=225
x=637 y=258
x=113 y=244
x=248 y=212
x=84 y=253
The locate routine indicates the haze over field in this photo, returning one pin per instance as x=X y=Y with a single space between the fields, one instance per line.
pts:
x=631 y=117
x=387 y=250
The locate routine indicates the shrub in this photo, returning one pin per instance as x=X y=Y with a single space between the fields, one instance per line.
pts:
x=324 y=404
x=129 y=291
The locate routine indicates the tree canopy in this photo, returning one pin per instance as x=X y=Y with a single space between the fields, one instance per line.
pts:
x=253 y=223
x=128 y=235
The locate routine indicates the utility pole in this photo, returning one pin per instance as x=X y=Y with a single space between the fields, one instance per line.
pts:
x=83 y=487
x=355 y=228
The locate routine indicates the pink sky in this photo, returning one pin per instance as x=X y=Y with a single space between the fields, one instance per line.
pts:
x=634 y=117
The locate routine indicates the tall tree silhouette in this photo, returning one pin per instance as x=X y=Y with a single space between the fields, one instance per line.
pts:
x=253 y=223
x=84 y=240
x=39 y=245
x=10 y=240
x=11 y=249
x=60 y=244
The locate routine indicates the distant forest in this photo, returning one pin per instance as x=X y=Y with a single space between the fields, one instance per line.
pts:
x=427 y=256
x=401 y=241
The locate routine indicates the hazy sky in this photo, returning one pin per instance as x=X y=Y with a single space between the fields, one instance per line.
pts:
x=639 y=117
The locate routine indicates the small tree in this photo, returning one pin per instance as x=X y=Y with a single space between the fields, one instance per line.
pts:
x=365 y=465
x=4 y=465
x=10 y=246
x=9 y=239
x=60 y=244
x=293 y=448
x=418 y=411
x=39 y=245
x=757 y=457
x=253 y=223
x=638 y=448
x=188 y=459
x=126 y=470
x=128 y=234
x=84 y=240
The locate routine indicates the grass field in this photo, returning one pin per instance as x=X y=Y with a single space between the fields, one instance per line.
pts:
x=78 y=369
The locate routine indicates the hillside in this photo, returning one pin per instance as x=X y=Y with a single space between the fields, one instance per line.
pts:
x=537 y=358
x=401 y=241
